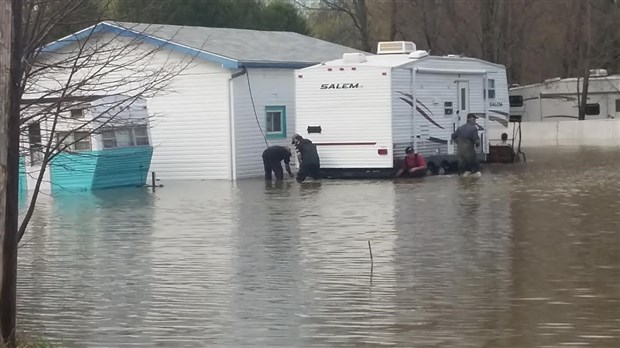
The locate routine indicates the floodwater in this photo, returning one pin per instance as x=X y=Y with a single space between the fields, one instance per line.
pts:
x=526 y=256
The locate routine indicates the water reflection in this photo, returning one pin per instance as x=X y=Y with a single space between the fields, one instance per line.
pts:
x=526 y=256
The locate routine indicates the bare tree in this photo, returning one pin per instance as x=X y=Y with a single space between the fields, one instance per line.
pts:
x=54 y=79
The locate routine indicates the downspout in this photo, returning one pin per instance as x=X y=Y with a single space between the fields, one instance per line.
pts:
x=231 y=125
x=485 y=146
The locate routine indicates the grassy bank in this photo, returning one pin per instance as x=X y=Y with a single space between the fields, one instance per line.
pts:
x=30 y=342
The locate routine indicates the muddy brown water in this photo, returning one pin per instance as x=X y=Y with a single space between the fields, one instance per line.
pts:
x=528 y=255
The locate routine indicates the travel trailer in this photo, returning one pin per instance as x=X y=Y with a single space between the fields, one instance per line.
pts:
x=362 y=111
x=105 y=143
x=557 y=99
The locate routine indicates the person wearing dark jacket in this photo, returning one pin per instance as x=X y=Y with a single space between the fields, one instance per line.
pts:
x=466 y=137
x=272 y=157
x=310 y=164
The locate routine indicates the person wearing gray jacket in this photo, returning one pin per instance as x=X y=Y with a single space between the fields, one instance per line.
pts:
x=466 y=138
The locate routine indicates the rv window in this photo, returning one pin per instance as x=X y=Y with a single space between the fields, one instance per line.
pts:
x=593 y=109
x=491 y=88
x=463 y=98
x=516 y=100
x=447 y=106
x=275 y=121
x=617 y=105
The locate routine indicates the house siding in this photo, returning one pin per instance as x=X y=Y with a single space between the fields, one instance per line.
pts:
x=270 y=87
x=190 y=129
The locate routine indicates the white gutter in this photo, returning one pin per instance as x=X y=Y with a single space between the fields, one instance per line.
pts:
x=231 y=124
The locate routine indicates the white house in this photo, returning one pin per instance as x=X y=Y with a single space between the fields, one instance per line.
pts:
x=233 y=98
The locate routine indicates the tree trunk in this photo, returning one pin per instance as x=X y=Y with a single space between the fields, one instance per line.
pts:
x=8 y=292
x=361 y=11
x=393 y=20
x=487 y=24
x=586 y=63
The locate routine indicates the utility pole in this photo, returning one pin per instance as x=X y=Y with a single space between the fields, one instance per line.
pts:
x=6 y=26
x=11 y=28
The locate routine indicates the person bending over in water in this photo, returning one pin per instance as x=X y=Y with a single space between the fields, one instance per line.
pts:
x=272 y=156
x=310 y=164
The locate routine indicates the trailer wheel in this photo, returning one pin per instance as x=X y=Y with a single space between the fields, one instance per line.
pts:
x=445 y=168
x=432 y=169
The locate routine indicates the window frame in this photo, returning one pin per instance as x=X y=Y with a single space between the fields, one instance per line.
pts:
x=515 y=101
x=448 y=108
x=490 y=89
x=77 y=113
x=132 y=136
x=70 y=142
x=595 y=106
x=282 y=134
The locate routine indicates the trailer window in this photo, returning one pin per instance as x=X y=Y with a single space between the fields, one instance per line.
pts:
x=74 y=141
x=593 y=109
x=491 y=88
x=516 y=100
x=125 y=137
x=275 y=121
x=463 y=98
x=447 y=108
x=617 y=105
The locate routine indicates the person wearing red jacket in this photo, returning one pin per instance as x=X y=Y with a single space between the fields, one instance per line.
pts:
x=414 y=164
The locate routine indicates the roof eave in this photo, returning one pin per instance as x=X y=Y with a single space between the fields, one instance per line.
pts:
x=126 y=32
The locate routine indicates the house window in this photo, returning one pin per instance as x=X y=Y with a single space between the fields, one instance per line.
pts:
x=447 y=108
x=81 y=141
x=125 y=137
x=74 y=141
x=77 y=113
x=109 y=139
x=491 y=88
x=34 y=139
x=617 y=105
x=593 y=109
x=141 y=136
x=34 y=133
x=516 y=100
x=275 y=121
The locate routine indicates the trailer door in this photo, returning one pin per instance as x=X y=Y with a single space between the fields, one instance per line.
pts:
x=463 y=103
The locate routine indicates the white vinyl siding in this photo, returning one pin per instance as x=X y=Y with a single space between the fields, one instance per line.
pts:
x=359 y=117
x=190 y=127
x=272 y=89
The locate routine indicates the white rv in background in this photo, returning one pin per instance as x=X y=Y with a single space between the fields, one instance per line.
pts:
x=556 y=99
x=362 y=111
